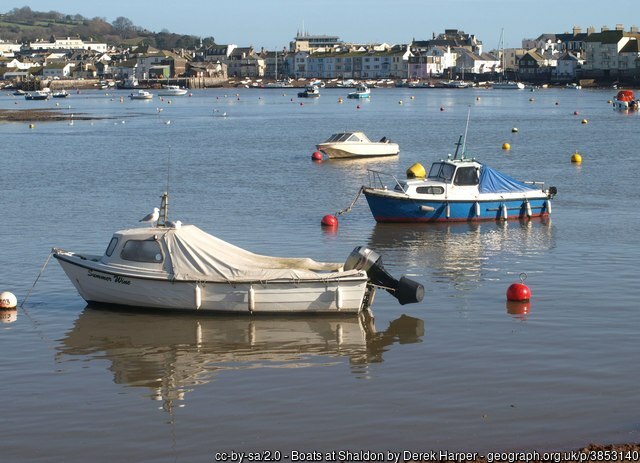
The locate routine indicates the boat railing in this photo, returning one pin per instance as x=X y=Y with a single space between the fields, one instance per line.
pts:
x=534 y=183
x=377 y=178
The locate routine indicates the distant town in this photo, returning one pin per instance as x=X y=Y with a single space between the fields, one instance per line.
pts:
x=589 y=57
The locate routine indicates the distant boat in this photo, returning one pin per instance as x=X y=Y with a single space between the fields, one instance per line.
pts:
x=508 y=85
x=60 y=94
x=172 y=90
x=356 y=145
x=312 y=91
x=141 y=95
x=362 y=91
x=38 y=95
x=626 y=100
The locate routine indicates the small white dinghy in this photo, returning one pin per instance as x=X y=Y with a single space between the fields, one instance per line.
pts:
x=175 y=266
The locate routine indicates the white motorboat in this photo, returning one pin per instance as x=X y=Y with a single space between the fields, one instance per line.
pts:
x=508 y=85
x=172 y=90
x=60 y=94
x=361 y=91
x=174 y=266
x=38 y=95
x=356 y=145
x=141 y=95
x=311 y=91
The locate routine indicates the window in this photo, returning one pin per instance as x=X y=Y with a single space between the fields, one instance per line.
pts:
x=466 y=176
x=441 y=171
x=142 y=251
x=430 y=190
x=112 y=246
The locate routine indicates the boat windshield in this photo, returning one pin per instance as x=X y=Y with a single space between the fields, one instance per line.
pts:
x=338 y=137
x=441 y=171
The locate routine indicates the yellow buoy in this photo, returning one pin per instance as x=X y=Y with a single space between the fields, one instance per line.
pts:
x=514 y=130
x=576 y=158
x=584 y=121
x=32 y=126
x=8 y=300
x=416 y=171
x=609 y=101
x=400 y=102
x=506 y=146
x=412 y=97
x=477 y=98
x=340 y=100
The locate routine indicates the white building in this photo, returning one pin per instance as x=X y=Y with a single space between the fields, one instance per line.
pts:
x=69 y=43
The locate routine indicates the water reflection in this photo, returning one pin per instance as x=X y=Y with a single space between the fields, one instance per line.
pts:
x=172 y=353
x=461 y=253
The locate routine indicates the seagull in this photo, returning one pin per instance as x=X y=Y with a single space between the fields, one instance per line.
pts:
x=177 y=224
x=153 y=217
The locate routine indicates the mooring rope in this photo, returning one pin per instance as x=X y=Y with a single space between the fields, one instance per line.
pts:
x=344 y=211
x=37 y=278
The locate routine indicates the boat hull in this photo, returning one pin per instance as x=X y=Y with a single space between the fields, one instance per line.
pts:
x=339 y=295
x=387 y=207
x=358 y=96
x=343 y=151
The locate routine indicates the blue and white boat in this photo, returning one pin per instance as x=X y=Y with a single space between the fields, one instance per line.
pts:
x=455 y=190
x=362 y=91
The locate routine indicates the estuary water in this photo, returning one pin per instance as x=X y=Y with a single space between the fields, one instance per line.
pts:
x=462 y=370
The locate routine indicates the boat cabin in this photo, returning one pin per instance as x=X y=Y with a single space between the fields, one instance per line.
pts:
x=142 y=248
x=443 y=175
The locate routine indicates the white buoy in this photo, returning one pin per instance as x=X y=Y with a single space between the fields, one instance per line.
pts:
x=8 y=300
x=477 y=209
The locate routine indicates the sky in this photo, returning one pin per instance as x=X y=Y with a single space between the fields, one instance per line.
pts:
x=272 y=24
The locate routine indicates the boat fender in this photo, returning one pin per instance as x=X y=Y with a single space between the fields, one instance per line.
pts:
x=504 y=214
x=477 y=208
x=448 y=210
x=427 y=208
x=198 y=296
x=527 y=206
x=547 y=206
x=405 y=290
x=251 y=298
x=339 y=299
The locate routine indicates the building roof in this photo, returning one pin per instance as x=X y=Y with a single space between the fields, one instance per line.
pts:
x=632 y=46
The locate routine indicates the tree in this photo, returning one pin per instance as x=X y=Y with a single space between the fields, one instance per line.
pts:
x=123 y=26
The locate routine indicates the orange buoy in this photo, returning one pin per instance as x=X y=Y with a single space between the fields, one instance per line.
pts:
x=329 y=221
x=316 y=156
x=519 y=291
x=575 y=113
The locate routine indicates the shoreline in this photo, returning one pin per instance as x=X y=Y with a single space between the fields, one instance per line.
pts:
x=43 y=114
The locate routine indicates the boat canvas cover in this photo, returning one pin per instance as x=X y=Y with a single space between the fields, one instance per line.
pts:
x=196 y=255
x=492 y=181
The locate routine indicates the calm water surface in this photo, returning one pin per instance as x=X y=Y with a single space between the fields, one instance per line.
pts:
x=462 y=370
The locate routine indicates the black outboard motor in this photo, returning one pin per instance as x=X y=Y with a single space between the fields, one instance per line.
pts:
x=405 y=290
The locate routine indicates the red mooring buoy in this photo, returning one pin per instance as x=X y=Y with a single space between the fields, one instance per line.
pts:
x=316 y=156
x=329 y=221
x=519 y=291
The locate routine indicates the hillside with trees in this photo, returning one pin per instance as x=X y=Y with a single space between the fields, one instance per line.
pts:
x=22 y=25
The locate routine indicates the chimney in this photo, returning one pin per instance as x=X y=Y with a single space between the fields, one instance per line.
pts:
x=576 y=30
x=634 y=29
x=619 y=27
x=604 y=28
x=590 y=30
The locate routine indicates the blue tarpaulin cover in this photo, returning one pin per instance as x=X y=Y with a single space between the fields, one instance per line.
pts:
x=492 y=181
